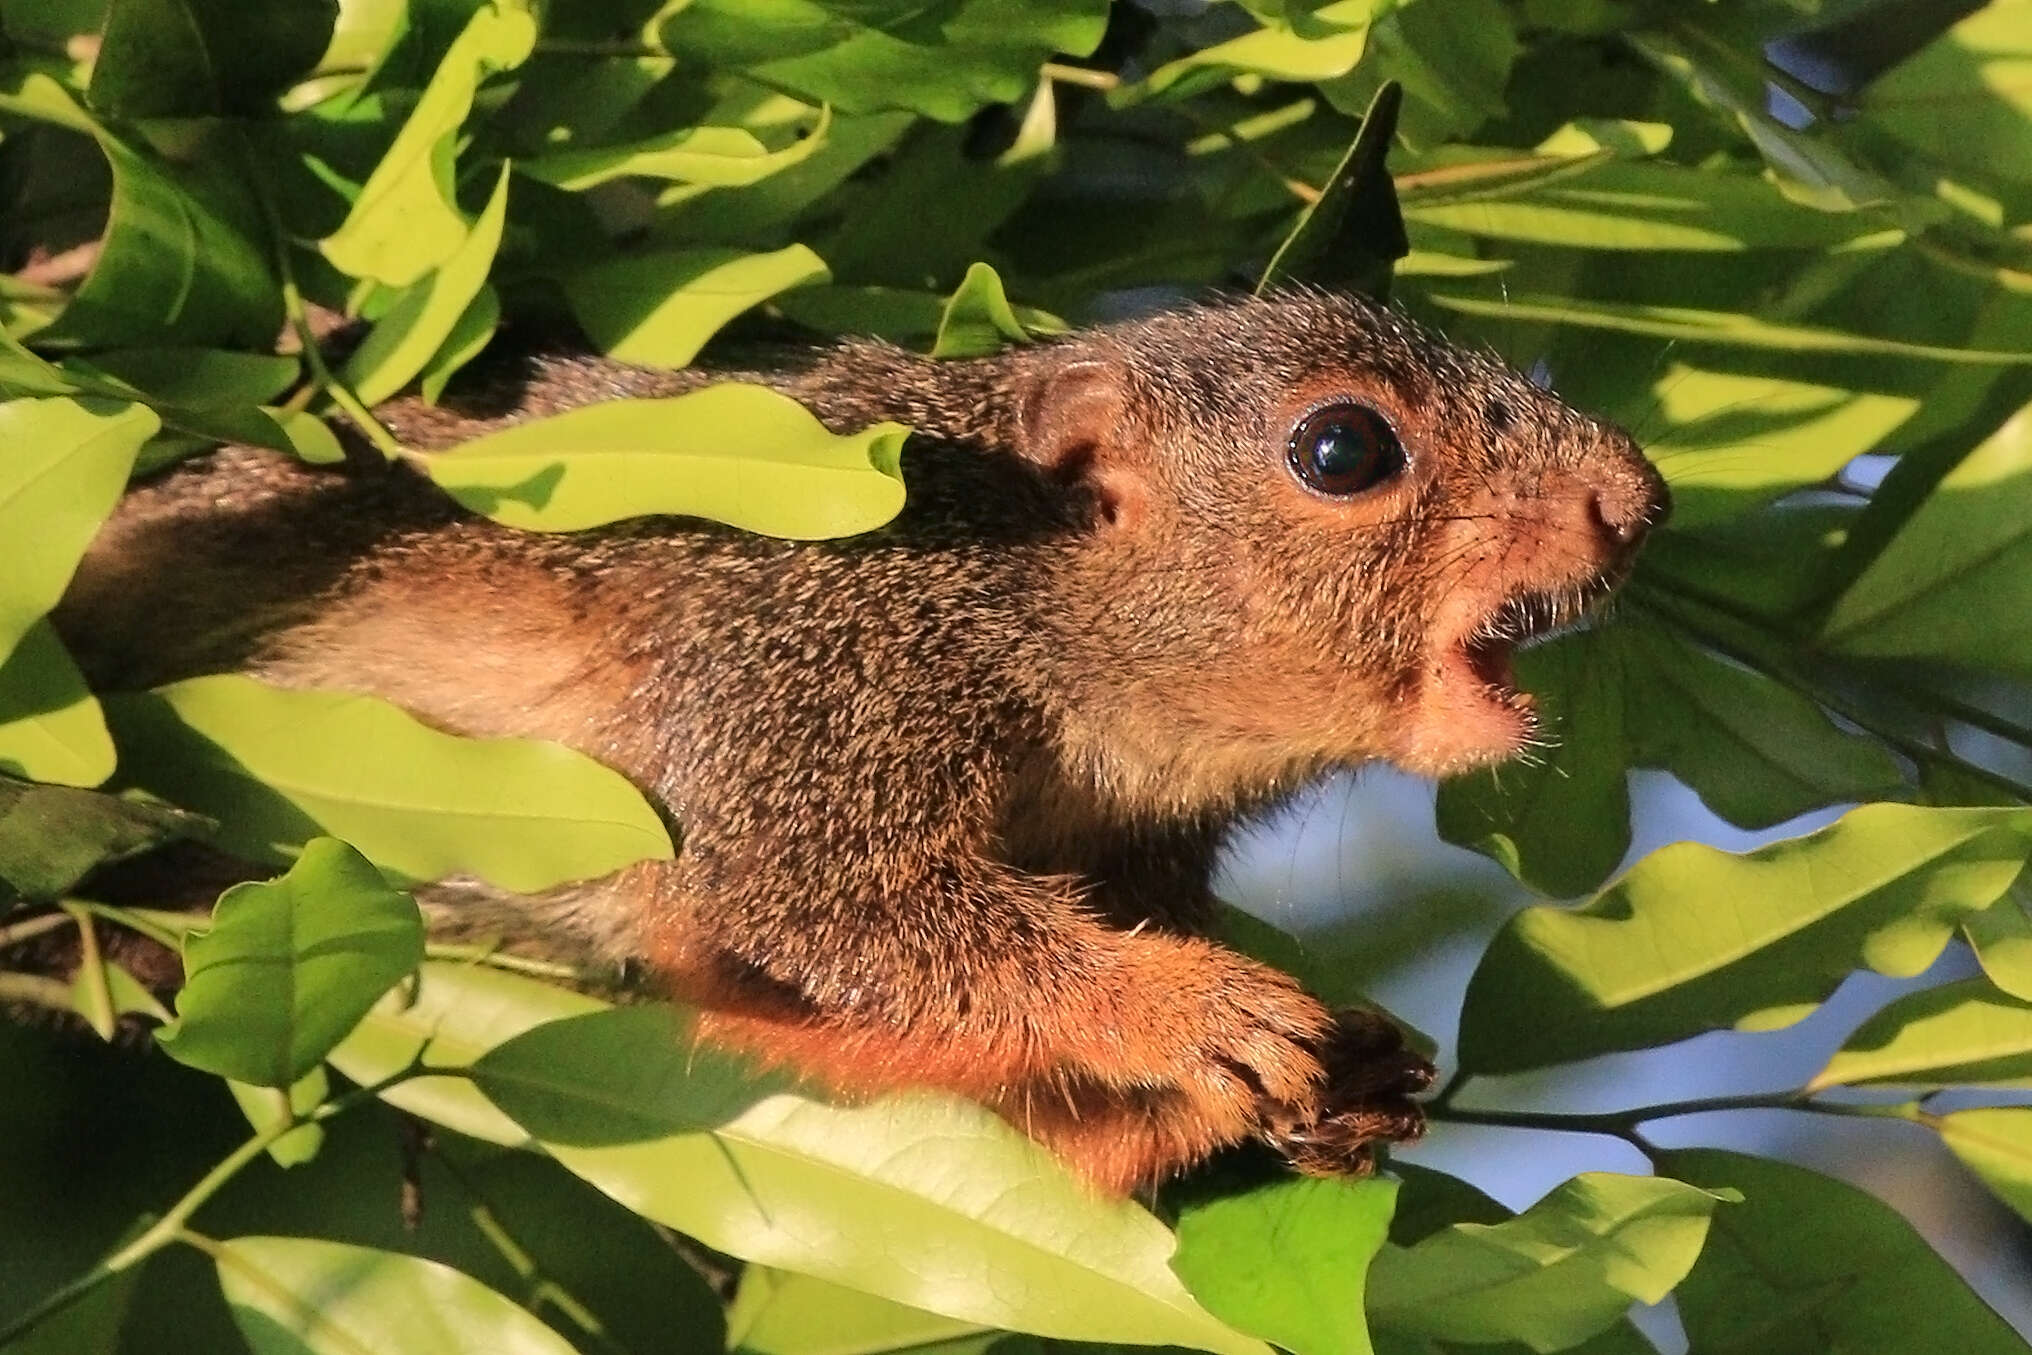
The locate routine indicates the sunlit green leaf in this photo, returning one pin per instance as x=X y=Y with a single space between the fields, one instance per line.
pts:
x=1995 y=1143
x=429 y=309
x=1694 y=939
x=266 y=1107
x=1964 y=99
x=470 y=333
x=780 y=1313
x=279 y=767
x=2001 y=936
x=406 y=220
x=1315 y=44
x=977 y=320
x=1286 y=1259
x=660 y=308
x=51 y=728
x=1555 y=1275
x=1958 y=1034
x=1722 y=328
x=737 y=454
x=1622 y=205
x=950 y=1209
x=875 y=54
x=304 y=1296
x=1960 y=562
x=290 y=965
x=717 y=157
x=1730 y=442
x=67 y=462
x=456 y=1013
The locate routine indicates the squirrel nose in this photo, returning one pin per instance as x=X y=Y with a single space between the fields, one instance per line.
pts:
x=1629 y=503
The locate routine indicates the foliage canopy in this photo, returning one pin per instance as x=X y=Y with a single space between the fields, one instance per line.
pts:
x=1788 y=242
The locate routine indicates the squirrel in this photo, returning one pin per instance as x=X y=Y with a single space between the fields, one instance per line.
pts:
x=950 y=791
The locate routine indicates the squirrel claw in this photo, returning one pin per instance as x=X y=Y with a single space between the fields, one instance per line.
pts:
x=1367 y=1102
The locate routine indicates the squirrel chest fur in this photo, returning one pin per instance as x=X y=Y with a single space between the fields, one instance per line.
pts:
x=950 y=791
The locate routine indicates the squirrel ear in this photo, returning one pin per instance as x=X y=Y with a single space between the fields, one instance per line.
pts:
x=1071 y=430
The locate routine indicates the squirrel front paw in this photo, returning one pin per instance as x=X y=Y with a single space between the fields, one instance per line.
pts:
x=1367 y=1101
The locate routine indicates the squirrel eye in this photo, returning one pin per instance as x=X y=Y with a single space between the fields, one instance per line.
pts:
x=1343 y=449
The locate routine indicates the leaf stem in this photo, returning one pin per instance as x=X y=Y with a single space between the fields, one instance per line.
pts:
x=36 y=991
x=170 y=1227
x=1080 y=75
x=299 y=321
x=499 y=959
x=1623 y=1124
x=542 y=1289
x=30 y=928
x=134 y=920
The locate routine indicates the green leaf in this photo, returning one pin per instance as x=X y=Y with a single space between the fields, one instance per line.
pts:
x=200 y=378
x=1994 y=1142
x=1805 y=165
x=198 y=58
x=1729 y=329
x=1963 y=99
x=1694 y=939
x=1962 y=562
x=1964 y=1034
x=737 y=454
x=716 y=157
x=779 y=1313
x=266 y=1107
x=182 y=260
x=51 y=836
x=1285 y=1261
x=2001 y=936
x=423 y=318
x=893 y=313
x=1807 y=1263
x=51 y=728
x=406 y=220
x=660 y=308
x=66 y=466
x=310 y=438
x=470 y=333
x=1560 y=1272
x=290 y=965
x=304 y=1296
x=1317 y=44
x=92 y=1323
x=978 y=320
x=1730 y=442
x=456 y=1013
x=1452 y=59
x=1353 y=233
x=863 y=55
x=1623 y=205
x=1757 y=752
x=950 y=1209
x=1560 y=822
x=278 y=767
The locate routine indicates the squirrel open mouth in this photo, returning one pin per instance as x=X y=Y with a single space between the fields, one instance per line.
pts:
x=1522 y=620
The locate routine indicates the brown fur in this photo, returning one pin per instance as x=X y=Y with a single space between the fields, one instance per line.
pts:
x=950 y=790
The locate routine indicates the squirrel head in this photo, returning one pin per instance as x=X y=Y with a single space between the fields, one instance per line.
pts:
x=1318 y=533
